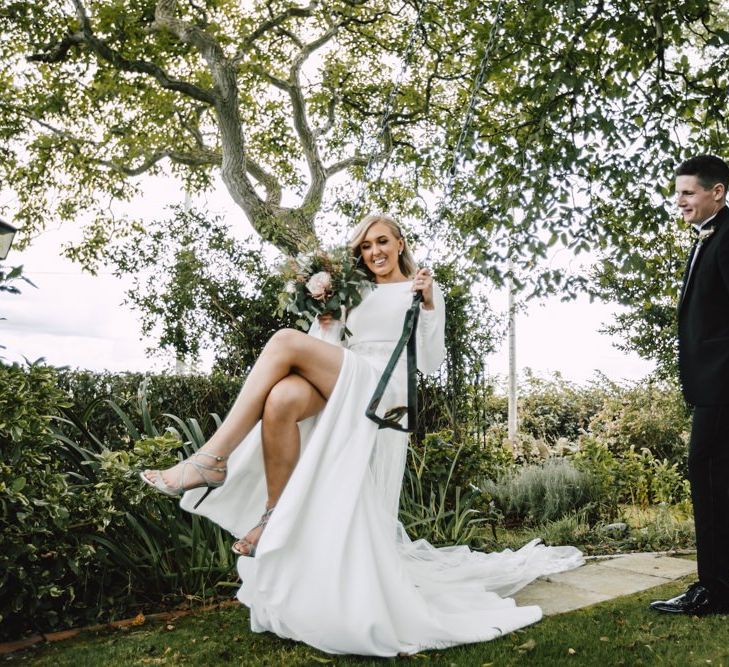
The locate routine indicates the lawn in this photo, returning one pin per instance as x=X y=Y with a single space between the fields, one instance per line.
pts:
x=619 y=632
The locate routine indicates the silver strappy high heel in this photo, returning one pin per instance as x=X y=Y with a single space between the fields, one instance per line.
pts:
x=244 y=542
x=177 y=491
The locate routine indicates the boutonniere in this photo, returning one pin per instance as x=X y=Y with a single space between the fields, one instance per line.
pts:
x=705 y=234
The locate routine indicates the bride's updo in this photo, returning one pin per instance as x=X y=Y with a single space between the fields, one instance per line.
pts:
x=406 y=260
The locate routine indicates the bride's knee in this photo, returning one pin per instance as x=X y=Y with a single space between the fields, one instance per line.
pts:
x=285 y=339
x=284 y=402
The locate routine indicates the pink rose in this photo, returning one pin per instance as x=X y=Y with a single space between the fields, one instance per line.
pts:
x=319 y=284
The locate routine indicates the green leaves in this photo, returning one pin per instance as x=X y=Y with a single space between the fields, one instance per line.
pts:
x=196 y=287
x=35 y=497
x=18 y=484
x=585 y=111
x=73 y=551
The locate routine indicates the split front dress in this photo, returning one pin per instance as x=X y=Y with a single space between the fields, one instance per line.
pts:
x=334 y=567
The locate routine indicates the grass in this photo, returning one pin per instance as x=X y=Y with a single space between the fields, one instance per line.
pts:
x=619 y=632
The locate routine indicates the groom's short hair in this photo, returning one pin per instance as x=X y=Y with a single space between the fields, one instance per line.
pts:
x=708 y=169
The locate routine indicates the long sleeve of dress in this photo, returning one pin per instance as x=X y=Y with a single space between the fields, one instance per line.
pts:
x=431 y=334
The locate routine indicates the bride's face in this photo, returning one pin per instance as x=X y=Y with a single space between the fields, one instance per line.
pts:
x=380 y=251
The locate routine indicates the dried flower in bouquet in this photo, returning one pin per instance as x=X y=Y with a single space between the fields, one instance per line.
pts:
x=322 y=282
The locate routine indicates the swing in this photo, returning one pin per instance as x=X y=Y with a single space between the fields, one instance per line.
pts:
x=408 y=340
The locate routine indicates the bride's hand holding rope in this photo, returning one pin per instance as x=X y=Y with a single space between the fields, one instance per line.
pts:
x=423 y=283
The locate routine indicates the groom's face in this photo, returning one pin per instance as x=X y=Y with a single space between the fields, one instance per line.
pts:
x=696 y=202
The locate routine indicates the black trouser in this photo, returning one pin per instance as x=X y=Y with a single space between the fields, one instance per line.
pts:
x=709 y=477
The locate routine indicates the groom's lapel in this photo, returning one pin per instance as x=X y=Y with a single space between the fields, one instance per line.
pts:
x=687 y=271
x=700 y=248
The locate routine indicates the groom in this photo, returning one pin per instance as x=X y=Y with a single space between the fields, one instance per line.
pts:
x=703 y=360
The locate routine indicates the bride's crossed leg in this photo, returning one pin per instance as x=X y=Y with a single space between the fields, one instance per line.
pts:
x=291 y=380
x=290 y=400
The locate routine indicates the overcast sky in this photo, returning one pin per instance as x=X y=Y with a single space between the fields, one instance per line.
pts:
x=74 y=319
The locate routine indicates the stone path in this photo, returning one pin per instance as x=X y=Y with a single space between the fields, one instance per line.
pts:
x=603 y=579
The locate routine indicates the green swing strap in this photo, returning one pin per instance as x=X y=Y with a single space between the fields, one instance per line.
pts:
x=392 y=417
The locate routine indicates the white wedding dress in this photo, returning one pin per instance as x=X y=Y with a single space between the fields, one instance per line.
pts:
x=334 y=567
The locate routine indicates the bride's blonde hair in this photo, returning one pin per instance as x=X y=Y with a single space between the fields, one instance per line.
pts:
x=405 y=260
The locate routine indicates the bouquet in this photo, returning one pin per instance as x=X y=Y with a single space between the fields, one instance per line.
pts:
x=322 y=282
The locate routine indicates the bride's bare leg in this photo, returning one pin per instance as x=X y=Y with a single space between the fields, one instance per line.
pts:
x=287 y=352
x=291 y=400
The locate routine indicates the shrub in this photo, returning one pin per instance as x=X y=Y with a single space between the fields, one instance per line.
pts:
x=652 y=417
x=542 y=492
x=83 y=539
x=555 y=408
x=633 y=477
x=194 y=396
x=439 y=456
x=155 y=550
x=440 y=501
x=40 y=558
x=444 y=514
x=660 y=529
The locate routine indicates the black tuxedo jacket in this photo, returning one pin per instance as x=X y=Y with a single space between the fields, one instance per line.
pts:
x=703 y=320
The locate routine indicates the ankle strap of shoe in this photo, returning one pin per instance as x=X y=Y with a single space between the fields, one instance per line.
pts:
x=211 y=456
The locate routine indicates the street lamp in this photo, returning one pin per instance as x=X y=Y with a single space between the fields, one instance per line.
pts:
x=7 y=233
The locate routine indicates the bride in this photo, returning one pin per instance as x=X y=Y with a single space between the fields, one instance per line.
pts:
x=328 y=563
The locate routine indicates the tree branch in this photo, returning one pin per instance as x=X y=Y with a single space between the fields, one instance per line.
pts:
x=57 y=52
x=86 y=36
x=165 y=19
x=56 y=130
x=274 y=22
x=227 y=313
x=201 y=158
x=315 y=192
x=193 y=128
x=134 y=171
x=235 y=163
x=205 y=156
x=273 y=188
x=331 y=108
x=294 y=38
x=346 y=163
x=281 y=84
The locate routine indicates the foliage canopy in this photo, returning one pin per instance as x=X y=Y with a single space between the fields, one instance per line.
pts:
x=586 y=108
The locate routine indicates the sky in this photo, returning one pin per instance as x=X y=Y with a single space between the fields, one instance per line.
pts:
x=78 y=320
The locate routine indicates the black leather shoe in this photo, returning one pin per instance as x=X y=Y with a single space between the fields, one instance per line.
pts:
x=696 y=601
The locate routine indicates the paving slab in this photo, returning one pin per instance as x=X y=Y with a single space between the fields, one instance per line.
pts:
x=607 y=580
x=601 y=580
x=655 y=564
x=555 y=598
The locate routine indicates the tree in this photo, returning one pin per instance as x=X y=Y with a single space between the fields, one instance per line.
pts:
x=605 y=100
x=585 y=108
x=649 y=289
x=602 y=100
x=104 y=93
x=195 y=287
